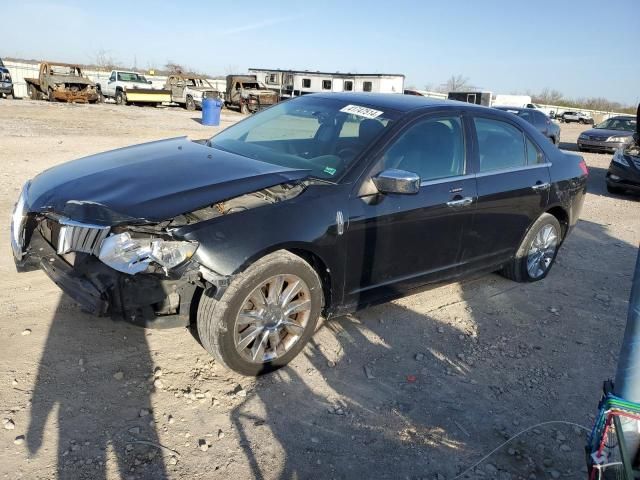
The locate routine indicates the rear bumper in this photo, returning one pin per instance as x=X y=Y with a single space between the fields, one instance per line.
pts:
x=146 y=300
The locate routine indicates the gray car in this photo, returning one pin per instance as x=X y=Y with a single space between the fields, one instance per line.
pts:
x=608 y=136
x=535 y=117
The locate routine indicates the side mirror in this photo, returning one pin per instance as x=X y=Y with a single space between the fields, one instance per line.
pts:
x=149 y=82
x=397 y=181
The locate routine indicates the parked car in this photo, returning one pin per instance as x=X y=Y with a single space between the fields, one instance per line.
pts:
x=190 y=90
x=608 y=136
x=61 y=82
x=6 y=85
x=131 y=87
x=320 y=205
x=548 y=128
x=578 y=117
x=624 y=171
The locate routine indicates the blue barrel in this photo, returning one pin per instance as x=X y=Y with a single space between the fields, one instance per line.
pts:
x=211 y=111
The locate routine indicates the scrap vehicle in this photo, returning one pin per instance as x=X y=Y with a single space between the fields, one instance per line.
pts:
x=624 y=170
x=608 y=136
x=190 y=90
x=6 y=85
x=317 y=206
x=131 y=87
x=61 y=82
x=247 y=94
x=542 y=122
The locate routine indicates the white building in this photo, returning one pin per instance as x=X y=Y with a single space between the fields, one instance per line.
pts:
x=293 y=83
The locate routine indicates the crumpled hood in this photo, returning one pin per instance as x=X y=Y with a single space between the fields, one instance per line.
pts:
x=150 y=182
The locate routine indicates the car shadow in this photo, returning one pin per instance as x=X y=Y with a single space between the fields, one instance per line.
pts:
x=597 y=185
x=99 y=413
x=420 y=387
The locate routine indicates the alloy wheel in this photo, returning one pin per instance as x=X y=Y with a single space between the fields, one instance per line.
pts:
x=542 y=251
x=272 y=318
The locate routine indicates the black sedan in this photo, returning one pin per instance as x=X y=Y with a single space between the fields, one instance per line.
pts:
x=317 y=206
x=544 y=124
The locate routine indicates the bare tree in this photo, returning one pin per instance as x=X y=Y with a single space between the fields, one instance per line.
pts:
x=457 y=83
x=105 y=61
x=231 y=69
x=548 y=96
x=173 y=67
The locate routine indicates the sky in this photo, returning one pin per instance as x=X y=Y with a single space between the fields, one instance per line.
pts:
x=583 y=48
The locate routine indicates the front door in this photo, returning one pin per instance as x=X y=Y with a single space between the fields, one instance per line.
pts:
x=513 y=188
x=396 y=242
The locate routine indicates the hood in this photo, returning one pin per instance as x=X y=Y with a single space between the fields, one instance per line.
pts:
x=605 y=132
x=150 y=183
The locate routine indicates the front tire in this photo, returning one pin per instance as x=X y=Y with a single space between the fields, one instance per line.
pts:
x=190 y=104
x=244 y=109
x=265 y=317
x=120 y=98
x=537 y=252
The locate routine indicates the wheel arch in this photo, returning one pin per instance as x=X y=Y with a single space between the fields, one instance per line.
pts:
x=562 y=216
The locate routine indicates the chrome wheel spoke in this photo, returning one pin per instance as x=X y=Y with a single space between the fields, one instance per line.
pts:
x=248 y=336
x=542 y=250
x=290 y=292
x=250 y=317
x=293 y=327
x=275 y=289
x=274 y=340
x=257 y=352
x=257 y=298
x=297 y=307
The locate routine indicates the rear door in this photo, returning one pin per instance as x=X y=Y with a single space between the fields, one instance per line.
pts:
x=396 y=242
x=513 y=184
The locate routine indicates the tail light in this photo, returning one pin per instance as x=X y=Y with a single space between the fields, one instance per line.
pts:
x=583 y=166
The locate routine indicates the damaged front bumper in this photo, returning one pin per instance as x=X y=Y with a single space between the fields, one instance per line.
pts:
x=152 y=300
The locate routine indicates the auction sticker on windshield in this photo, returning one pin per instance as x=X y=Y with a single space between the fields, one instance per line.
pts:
x=361 y=111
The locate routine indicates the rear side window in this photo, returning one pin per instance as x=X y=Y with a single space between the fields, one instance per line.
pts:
x=500 y=145
x=432 y=148
x=534 y=154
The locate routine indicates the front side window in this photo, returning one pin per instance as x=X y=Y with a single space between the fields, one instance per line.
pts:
x=500 y=145
x=432 y=148
x=326 y=84
x=367 y=86
x=320 y=135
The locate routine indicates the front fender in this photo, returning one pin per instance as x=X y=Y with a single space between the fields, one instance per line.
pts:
x=230 y=243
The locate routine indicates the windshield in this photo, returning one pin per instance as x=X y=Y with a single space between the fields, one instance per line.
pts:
x=130 y=77
x=623 y=124
x=319 y=134
x=251 y=85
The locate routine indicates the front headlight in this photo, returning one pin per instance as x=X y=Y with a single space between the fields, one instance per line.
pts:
x=622 y=138
x=133 y=255
x=618 y=157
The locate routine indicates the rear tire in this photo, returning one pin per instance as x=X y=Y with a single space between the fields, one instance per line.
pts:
x=220 y=328
x=524 y=267
x=244 y=109
x=50 y=95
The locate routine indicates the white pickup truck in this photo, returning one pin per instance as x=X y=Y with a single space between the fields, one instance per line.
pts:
x=131 y=87
x=190 y=90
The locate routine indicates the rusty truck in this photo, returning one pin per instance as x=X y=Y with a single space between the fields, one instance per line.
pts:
x=61 y=82
x=247 y=94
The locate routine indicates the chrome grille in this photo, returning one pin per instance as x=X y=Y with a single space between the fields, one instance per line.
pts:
x=80 y=237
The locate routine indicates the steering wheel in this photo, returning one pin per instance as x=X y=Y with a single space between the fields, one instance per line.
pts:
x=347 y=152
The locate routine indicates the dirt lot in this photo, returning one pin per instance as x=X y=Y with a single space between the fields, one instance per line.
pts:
x=418 y=388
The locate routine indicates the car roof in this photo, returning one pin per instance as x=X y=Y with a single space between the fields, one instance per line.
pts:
x=502 y=107
x=393 y=101
x=622 y=117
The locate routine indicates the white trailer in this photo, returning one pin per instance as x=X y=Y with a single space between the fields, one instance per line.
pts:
x=293 y=83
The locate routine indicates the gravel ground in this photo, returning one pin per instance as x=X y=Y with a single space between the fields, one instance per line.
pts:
x=421 y=387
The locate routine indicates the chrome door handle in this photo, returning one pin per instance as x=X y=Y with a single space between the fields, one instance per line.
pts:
x=463 y=202
x=540 y=186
